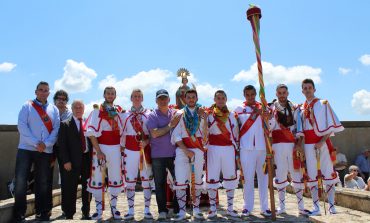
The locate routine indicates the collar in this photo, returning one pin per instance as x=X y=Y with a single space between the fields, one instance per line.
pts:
x=40 y=104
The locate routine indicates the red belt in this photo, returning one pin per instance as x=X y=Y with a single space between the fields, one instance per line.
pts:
x=219 y=140
x=282 y=136
x=310 y=137
x=189 y=143
x=109 y=138
x=133 y=142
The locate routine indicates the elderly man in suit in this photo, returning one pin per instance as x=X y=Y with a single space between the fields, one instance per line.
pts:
x=74 y=157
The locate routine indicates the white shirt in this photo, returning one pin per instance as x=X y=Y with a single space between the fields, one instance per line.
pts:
x=254 y=138
x=357 y=183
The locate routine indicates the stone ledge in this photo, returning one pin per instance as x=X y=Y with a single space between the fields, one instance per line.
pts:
x=356 y=124
x=6 y=206
x=8 y=128
x=349 y=198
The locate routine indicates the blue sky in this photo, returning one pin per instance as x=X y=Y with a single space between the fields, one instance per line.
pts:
x=82 y=46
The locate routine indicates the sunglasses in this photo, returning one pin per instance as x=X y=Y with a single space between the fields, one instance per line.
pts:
x=62 y=99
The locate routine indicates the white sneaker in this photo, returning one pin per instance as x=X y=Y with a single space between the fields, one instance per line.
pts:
x=266 y=213
x=305 y=212
x=179 y=217
x=333 y=210
x=197 y=214
x=97 y=215
x=211 y=214
x=315 y=212
x=162 y=216
x=148 y=215
x=233 y=214
x=115 y=213
x=281 y=211
x=129 y=216
x=245 y=213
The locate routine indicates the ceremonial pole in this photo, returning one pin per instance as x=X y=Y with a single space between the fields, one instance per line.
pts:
x=254 y=15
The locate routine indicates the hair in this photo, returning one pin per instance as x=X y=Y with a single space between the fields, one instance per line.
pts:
x=191 y=91
x=60 y=93
x=352 y=167
x=249 y=87
x=77 y=101
x=308 y=81
x=281 y=86
x=137 y=90
x=220 y=92
x=41 y=83
x=109 y=88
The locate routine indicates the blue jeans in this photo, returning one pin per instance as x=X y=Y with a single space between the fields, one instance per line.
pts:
x=159 y=166
x=41 y=161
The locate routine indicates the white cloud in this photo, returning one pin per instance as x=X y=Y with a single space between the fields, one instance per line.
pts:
x=7 y=67
x=361 y=102
x=344 y=71
x=365 y=59
x=144 y=80
x=77 y=77
x=152 y=80
x=279 y=74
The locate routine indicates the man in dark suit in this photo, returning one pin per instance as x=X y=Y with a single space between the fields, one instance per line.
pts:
x=75 y=161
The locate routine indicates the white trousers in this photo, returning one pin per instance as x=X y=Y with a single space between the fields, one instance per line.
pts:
x=221 y=159
x=113 y=164
x=252 y=162
x=183 y=169
x=131 y=167
x=283 y=156
x=327 y=170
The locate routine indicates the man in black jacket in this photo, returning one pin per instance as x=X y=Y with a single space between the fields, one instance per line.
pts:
x=74 y=158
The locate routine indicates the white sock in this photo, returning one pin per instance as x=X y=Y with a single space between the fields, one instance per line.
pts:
x=230 y=199
x=181 y=199
x=281 y=193
x=299 y=195
x=315 y=198
x=130 y=194
x=99 y=202
x=147 y=199
x=330 y=190
x=212 y=193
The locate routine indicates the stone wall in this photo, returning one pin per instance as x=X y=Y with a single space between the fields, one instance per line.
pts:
x=351 y=142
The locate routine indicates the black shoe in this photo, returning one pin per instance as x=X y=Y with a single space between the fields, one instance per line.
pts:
x=42 y=217
x=19 y=219
x=86 y=217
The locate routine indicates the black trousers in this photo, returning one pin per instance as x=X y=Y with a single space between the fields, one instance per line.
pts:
x=159 y=166
x=69 y=184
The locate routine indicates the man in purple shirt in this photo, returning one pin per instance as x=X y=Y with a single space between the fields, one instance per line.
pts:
x=160 y=123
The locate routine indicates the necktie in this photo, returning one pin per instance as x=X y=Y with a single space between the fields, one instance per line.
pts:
x=82 y=136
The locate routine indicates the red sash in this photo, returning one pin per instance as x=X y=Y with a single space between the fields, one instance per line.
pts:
x=109 y=138
x=133 y=142
x=307 y=110
x=138 y=127
x=189 y=143
x=225 y=134
x=311 y=138
x=219 y=140
x=282 y=136
x=44 y=116
x=252 y=118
